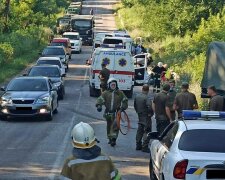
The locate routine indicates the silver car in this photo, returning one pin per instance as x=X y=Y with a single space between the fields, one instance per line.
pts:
x=29 y=97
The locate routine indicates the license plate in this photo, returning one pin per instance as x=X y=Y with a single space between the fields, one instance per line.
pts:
x=215 y=174
x=24 y=108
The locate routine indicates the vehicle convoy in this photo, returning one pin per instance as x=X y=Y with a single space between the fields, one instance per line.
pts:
x=53 y=73
x=84 y=25
x=191 y=148
x=29 y=97
x=120 y=64
x=75 y=41
x=62 y=42
x=57 y=51
x=63 y=24
x=214 y=69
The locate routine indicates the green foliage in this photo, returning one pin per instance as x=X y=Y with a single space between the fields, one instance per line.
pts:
x=6 y=51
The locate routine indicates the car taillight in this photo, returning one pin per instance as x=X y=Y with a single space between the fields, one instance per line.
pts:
x=179 y=171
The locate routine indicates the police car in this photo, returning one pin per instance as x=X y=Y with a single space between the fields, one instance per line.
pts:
x=192 y=148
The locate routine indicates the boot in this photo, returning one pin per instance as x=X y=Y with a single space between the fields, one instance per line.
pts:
x=113 y=142
x=146 y=149
x=110 y=141
x=138 y=147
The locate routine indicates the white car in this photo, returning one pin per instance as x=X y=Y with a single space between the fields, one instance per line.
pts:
x=192 y=148
x=75 y=41
x=52 y=61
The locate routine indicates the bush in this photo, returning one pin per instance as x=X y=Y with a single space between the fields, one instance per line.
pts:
x=6 y=53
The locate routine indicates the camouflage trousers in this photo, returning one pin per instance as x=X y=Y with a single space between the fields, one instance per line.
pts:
x=112 y=129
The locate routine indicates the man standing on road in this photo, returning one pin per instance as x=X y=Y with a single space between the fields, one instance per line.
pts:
x=158 y=70
x=172 y=94
x=142 y=106
x=87 y=162
x=161 y=108
x=114 y=100
x=216 y=102
x=185 y=100
x=104 y=77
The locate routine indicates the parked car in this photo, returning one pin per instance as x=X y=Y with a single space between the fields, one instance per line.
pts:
x=191 y=148
x=57 y=51
x=75 y=40
x=62 y=42
x=52 y=61
x=53 y=73
x=29 y=97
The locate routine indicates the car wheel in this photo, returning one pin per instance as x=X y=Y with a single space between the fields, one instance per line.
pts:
x=152 y=173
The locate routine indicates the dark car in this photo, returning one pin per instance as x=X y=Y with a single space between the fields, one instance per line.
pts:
x=57 y=51
x=53 y=73
x=29 y=97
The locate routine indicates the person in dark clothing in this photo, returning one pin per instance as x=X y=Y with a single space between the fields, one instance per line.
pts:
x=162 y=109
x=158 y=70
x=172 y=94
x=104 y=77
x=216 y=101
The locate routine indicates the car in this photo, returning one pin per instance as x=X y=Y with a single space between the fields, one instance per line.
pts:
x=52 y=61
x=57 y=51
x=75 y=40
x=65 y=42
x=53 y=73
x=29 y=97
x=191 y=148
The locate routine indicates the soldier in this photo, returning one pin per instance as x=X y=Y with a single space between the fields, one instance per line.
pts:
x=142 y=106
x=184 y=100
x=114 y=100
x=216 y=102
x=161 y=108
x=172 y=94
x=158 y=70
x=104 y=76
x=87 y=162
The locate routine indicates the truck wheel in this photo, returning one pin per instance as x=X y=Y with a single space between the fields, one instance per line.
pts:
x=129 y=93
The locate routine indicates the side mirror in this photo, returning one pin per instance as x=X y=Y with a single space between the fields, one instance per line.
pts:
x=24 y=74
x=63 y=75
x=67 y=54
x=69 y=46
x=153 y=135
x=3 y=88
x=40 y=53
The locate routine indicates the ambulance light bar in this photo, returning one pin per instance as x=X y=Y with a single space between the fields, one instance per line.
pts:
x=189 y=114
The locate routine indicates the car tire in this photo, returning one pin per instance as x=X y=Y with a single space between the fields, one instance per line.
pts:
x=129 y=93
x=152 y=173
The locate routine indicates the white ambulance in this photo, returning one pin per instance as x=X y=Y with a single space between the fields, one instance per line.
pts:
x=121 y=66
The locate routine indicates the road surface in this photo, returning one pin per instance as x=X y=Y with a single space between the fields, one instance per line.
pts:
x=35 y=149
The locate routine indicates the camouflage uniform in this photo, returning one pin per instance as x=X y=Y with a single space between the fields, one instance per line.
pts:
x=113 y=101
x=104 y=76
x=143 y=107
x=172 y=94
x=216 y=103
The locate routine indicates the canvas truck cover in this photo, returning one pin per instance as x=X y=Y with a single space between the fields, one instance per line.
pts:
x=214 y=71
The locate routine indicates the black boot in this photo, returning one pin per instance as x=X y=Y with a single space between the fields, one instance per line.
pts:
x=113 y=142
x=138 y=147
x=110 y=141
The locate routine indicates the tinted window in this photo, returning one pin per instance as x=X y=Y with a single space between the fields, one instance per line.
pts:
x=44 y=71
x=168 y=138
x=113 y=41
x=82 y=23
x=53 y=51
x=64 y=21
x=74 y=37
x=59 y=44
x=51 y=62
x=203 y=140
x=28 y=85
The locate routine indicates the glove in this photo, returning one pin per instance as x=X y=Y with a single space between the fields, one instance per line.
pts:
x=99 y=108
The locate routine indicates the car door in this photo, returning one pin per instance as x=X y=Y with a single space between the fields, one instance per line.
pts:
x=163 y=149
x=140 y=67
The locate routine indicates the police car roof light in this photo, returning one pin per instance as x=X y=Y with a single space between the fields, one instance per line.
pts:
x=189 y=114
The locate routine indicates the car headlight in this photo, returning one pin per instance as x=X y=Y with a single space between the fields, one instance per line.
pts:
x=57 y=84
x=4 y=101
x=43 y=100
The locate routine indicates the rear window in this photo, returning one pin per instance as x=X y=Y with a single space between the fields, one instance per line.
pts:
x=53 y=51
x=51 y=62
x=113 y=41
x=59 y=44
x=203 y=140
x=44 y=71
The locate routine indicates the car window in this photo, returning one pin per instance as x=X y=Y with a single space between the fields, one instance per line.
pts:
x=168 y=138
x=44 y=71
x=59 y=44
x=53 y=51
x=203 y=140
x=51 y=62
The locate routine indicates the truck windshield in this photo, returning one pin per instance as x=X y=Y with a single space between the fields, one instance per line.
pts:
x=82 y=23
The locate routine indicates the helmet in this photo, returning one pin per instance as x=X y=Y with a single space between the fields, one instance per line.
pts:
x=83 y=136
x=160 y=64
x=110 y=81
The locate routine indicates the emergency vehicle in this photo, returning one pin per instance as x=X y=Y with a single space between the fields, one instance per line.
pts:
x=191 y=148
x=120 y=64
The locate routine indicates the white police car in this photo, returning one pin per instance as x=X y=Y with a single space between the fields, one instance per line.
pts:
x=192 y=148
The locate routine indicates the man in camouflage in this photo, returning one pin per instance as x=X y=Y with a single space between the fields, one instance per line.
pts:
x=143 y=107
x=216 y=101
x=104 y=77
x=172 y=94
x=114 y=100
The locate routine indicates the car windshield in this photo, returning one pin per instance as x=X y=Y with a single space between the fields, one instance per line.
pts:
x=51 y=62
x=203 y=140
x=53 y=51
x=58 y=44
x=73 y=37
x=64 y=21
x=28 y=85
x=82 y=23
x=44 y=71
x=113 y=41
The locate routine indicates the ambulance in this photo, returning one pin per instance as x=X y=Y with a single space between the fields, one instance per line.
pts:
x=121 y=66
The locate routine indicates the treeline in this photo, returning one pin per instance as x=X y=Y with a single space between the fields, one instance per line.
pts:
x=25 y=26
x=177 y=31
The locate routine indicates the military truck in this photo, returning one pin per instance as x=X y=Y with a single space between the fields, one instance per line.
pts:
x=84 y=24
x=214 y=70
x=63 y=24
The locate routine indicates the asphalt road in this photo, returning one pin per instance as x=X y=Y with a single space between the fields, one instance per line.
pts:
x=35 y=149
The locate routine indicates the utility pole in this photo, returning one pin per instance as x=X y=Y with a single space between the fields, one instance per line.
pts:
x=6 y=15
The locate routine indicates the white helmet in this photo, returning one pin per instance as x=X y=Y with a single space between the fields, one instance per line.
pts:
x=83 y=136
x=110 y=81
x=160 y=64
